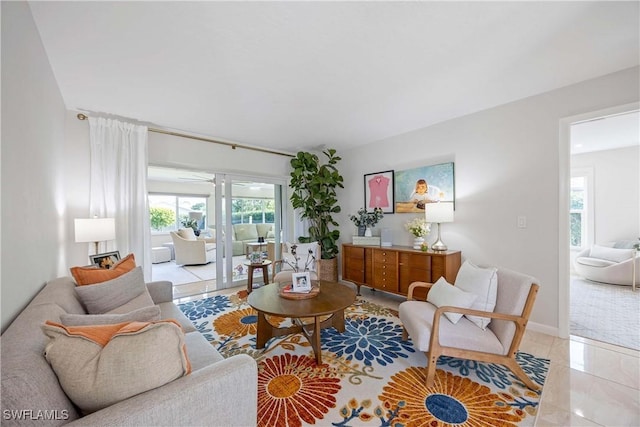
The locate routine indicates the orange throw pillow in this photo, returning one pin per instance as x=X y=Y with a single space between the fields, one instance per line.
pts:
x=92 y=275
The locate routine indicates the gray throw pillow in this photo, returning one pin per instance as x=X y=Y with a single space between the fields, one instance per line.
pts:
x=146 y=314
x=120 y=295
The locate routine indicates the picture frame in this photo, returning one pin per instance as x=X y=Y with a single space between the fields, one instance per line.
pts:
x=379 y=191
x=301 y=282
x=105 y=260
x=414 y=188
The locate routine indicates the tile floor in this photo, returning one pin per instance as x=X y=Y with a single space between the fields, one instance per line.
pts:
x=589 y=383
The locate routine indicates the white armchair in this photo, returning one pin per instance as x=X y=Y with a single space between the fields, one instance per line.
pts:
x=607 y=264
x=435 y=334
x=189 y=250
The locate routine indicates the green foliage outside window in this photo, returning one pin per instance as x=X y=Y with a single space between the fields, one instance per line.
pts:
x=161 y=217
x=576 y=229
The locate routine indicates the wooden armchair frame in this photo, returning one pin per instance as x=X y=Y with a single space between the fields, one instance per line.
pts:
x=509 y=360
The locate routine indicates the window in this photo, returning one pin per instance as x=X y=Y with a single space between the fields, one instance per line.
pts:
x=170 y=212
x=256 y=211
x=577 y=219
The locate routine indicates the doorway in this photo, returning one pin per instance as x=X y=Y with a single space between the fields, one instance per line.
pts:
x=230 y=213
x=593 y=192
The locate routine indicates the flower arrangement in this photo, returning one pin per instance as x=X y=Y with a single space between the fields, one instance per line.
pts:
x=366 y=219
x=419 y=227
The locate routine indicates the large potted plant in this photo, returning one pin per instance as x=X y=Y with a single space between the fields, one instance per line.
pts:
x=314 y=185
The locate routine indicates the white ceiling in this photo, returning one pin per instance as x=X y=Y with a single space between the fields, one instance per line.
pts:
x=299 y=75
x=606 y=133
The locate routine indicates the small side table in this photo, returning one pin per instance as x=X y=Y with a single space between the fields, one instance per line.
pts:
x=264 y=265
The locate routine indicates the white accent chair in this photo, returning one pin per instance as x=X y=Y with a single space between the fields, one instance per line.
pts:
x=607 y=264
x=434 y=334
x=306 y=258
x=190 y=250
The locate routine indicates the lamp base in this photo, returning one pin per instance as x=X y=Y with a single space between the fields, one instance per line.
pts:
x=438 y=245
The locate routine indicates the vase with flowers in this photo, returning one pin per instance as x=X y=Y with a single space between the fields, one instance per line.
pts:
x=419 y=228
x=365 y=220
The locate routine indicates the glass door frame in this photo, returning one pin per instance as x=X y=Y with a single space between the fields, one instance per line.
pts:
x=283 y=212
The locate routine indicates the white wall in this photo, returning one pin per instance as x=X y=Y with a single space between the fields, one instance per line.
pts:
x=617 y=192
x=506 y=165
x=34 y=217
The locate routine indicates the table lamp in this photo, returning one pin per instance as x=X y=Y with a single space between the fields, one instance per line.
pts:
x=439 y=212
x=95 y=230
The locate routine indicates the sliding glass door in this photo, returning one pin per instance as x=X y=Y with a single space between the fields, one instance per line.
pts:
x=250 y=210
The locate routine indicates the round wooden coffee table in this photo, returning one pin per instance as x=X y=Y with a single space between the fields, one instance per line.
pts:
x=332 y=299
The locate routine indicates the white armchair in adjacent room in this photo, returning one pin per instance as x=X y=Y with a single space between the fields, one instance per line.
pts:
x=608 y=264
x=190 y=250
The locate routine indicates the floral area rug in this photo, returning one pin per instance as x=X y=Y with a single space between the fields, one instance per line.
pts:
x=369 y=376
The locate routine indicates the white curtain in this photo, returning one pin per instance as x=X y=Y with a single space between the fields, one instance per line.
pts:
x=119 y=186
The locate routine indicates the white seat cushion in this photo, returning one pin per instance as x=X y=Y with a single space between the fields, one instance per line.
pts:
x=417 y=319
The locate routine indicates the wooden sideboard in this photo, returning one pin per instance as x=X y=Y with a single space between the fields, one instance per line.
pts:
x=394 y=268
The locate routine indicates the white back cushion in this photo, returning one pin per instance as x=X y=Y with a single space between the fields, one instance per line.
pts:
x=611 y=254
x=187 y=234
x=484 y=283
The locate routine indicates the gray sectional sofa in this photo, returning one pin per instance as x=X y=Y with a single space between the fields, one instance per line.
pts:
x=217 y=392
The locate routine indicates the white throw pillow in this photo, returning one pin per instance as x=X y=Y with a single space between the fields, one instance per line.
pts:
x=187 y=233
x=307 y=255
x=442 y=293
x=484 y=283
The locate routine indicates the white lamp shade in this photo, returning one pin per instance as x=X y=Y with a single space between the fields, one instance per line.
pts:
x=439 y=212
x=95 y=229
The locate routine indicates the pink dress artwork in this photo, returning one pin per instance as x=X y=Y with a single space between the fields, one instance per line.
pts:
x=378 y=186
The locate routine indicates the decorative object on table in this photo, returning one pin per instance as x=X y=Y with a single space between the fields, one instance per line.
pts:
x=314 y=194
x=94 y=230
x=382 y=370
x=419 y=228
x=105 y=260
x=417 y=188
x=292 y=258
x=287 y=292
x=386 y=237
x=366 y=241
x=301 y=282
x=378 y=191
x=255 y=257
x=365 y=219
x=439 y=213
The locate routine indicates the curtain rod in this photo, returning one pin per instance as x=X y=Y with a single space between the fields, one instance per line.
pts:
x=81 y=116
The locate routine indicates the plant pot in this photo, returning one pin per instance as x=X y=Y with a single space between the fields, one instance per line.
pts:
x=328 y=269
x=361 y=230
x=417 y=242
x=367 y=232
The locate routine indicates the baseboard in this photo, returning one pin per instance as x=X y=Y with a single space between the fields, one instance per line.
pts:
x=543 y=329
